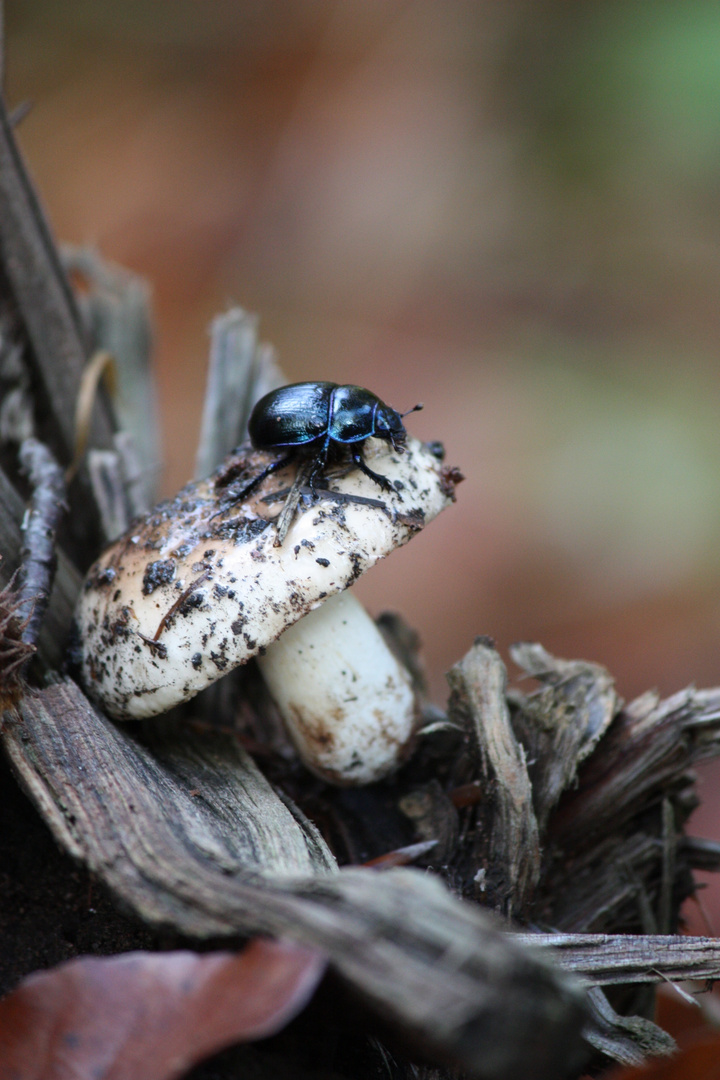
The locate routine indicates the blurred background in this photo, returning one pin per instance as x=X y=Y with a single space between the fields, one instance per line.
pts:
x=509 y=211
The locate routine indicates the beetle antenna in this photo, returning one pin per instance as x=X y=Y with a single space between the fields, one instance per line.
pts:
x=415 y=408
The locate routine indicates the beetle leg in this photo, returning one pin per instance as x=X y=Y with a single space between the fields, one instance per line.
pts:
x=318 y=466
x=287 y=515
x=382 y=481
x=256 y=481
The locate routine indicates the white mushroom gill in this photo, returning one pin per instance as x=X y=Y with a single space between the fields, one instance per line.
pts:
x=199 y=587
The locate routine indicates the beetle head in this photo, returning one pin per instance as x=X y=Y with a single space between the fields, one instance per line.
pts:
x=389 y=425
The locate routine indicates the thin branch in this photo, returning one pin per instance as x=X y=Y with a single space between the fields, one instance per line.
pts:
x=39 y=556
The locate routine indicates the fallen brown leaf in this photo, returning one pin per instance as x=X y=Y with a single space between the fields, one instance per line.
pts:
x=150 y=1016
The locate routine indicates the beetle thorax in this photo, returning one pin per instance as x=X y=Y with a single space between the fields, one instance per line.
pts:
x=352 y=414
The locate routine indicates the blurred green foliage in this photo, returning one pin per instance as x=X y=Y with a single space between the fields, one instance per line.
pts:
x=614 y=85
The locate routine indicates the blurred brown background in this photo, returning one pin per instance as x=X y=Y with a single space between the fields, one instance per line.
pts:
x=509 y=211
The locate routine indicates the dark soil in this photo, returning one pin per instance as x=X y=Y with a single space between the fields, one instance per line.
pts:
x=50 y=909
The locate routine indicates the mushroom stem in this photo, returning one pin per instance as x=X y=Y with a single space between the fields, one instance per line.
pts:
x=346 y=700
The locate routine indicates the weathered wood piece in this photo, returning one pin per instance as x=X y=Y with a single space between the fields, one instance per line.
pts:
x=241 y=371
x=192 y=836
x=700 y=854
x=615 y=959
x=115 y=309
x=615 y=857
x=477 y=700
x=16 y=397
x=645 y=757
x=43 y=296
x=58 y=616
x=561 y=724
x=40 y=524
x=15 y=654
x=630 y=1040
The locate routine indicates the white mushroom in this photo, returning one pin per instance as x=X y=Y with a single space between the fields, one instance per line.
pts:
x=200 y=587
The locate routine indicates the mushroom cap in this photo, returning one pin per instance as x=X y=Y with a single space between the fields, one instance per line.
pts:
x=199 y=586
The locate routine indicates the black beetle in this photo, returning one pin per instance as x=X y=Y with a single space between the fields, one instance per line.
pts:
x=309 y=418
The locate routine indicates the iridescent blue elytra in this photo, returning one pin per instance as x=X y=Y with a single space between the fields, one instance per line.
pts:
x=308 y=418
